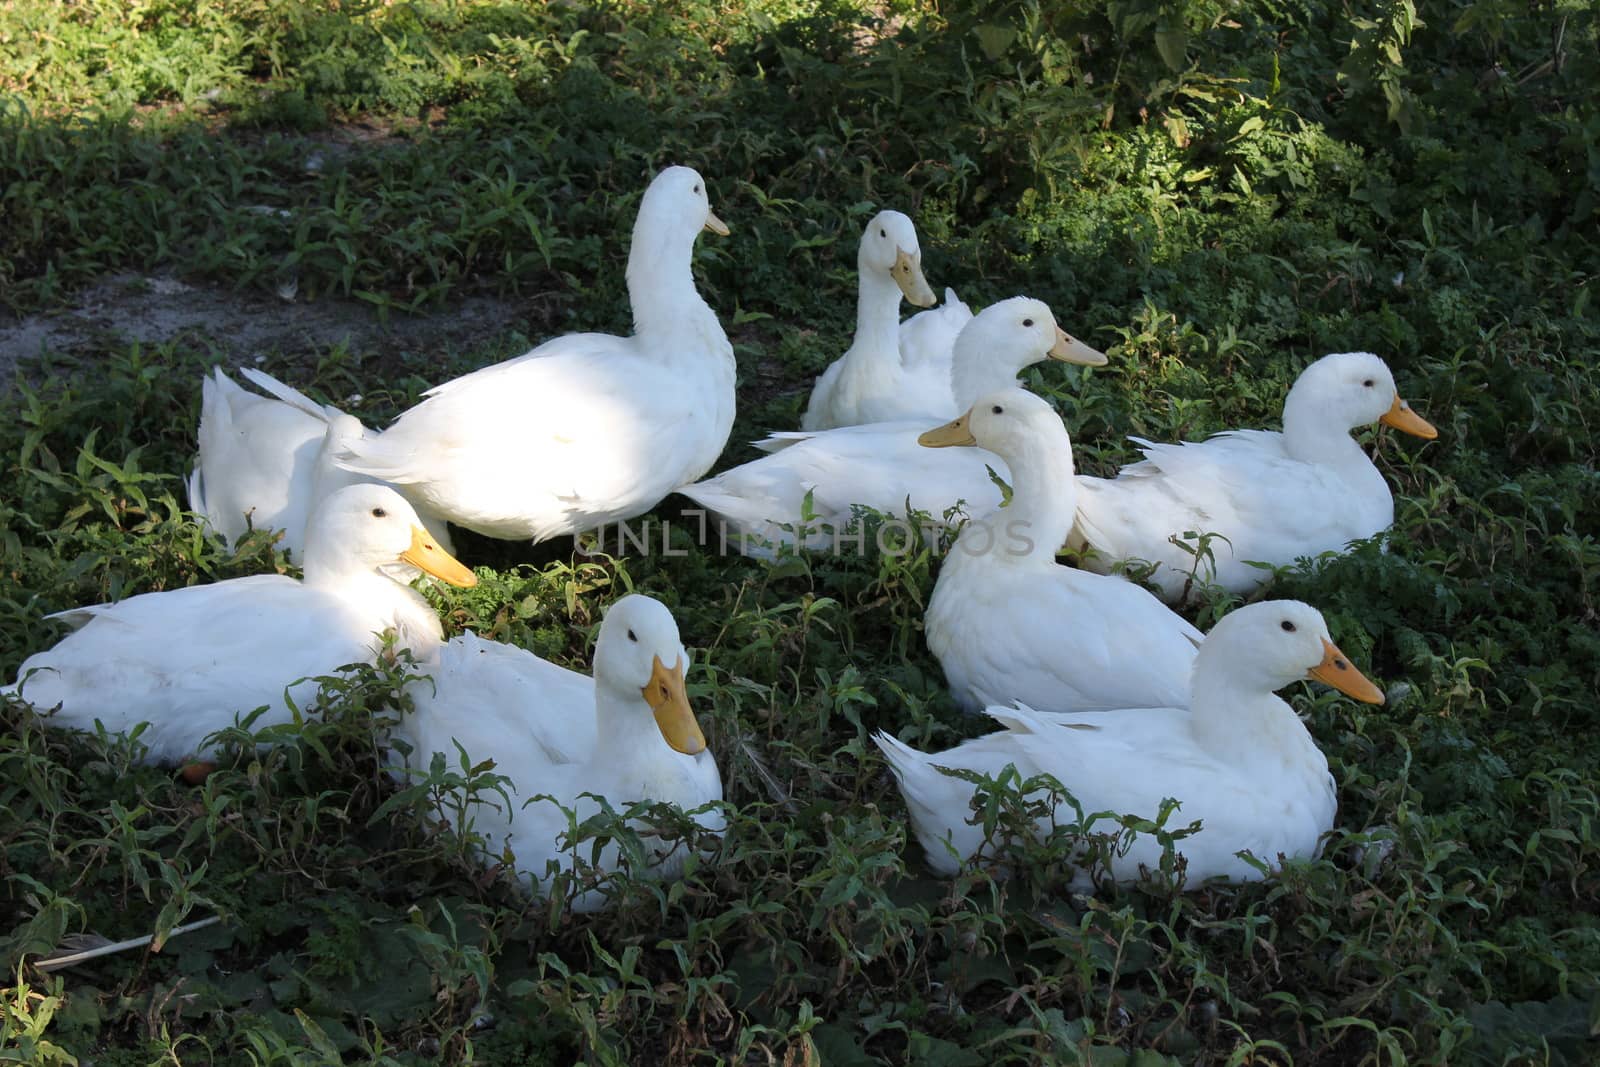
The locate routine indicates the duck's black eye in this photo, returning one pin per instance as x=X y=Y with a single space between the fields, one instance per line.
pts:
x=633 y=637
x=379 y=513
x=883 y=233
x=1288 y=627
x=697 y=190
x=1027 y=323
x=1368 y=383
x=998 y=410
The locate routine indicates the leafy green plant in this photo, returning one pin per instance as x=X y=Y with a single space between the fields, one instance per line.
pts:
x=25 y=1015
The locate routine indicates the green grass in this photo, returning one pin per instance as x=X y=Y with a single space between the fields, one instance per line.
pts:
x=1215 y=194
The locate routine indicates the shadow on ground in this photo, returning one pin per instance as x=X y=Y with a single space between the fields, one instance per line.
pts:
x=237 y=326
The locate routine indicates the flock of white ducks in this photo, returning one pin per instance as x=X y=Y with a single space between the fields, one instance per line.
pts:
x=1094 y=680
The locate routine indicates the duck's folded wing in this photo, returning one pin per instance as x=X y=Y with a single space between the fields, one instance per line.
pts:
x=503 y=703
x=877 y=466
x=1085 y=642
x=538 y=416
x=188 y=660
x=1208 y=486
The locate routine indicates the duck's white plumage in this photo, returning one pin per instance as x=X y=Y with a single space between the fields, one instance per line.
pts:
x=1274 y=497
x=589 y=428
x=265 y=461
x=1238 y=760
x=255 y=461
x=189 y=661
x=928 y=341
x=1009 y=624
x=626 y=734
x=880 y=465
x=868 y=383
x=488 y=695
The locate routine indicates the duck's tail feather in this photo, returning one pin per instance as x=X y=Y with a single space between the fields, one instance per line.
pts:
x=288 y=394
x=779 y=440
x=379 y=455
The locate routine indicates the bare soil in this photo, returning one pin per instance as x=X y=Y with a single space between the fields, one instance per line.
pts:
x=238 y=326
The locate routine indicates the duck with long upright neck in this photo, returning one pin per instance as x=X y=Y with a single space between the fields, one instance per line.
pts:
x=869 y=383
x=1272 y=497
x=892 y=370
x=1008 y=623
x=189 y=661
x=587 y=429
x=881 y=466
x=627 y=734
x=1237 y=758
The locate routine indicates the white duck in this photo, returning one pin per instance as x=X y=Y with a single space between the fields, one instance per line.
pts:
x=586 y=429
x=880 y=465
x=264 y=462
x=868 y=383
x=1274 y=497
x=189 y=661
x=1010 y=624
x=1237 y=759
x=627 y=734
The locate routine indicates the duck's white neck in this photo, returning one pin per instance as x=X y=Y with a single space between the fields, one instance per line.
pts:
x=390 y=604
x=977 y=372
x=661 y=283
x=1238 y=719
x=873 y=359
x=1312 y=433
x=330 y=569
x=628 y=745
x=1044 y=499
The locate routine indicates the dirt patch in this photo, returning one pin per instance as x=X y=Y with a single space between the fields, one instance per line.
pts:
x=160 y=308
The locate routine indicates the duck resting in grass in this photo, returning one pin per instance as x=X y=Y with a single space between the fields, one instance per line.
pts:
x=191 y=661
x=627 y=734
x=1010 y=624
x=590 y=428
x=1272 y=497
x=880 y=465
x=869 y=383
x=1237 y=759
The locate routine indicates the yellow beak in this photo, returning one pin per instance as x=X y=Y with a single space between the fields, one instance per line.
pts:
x=1402 y=418
x=716 y=225
x=665 y=694
x=1336 y=671
x=907 y=274
x=427 y=556
x=1068 y=349
x=958 y=432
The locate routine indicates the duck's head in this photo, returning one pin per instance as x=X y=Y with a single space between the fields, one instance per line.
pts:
x=638 y=654
x=678 y=195
x=889 y=246
x=371 y=527
x=1356 y=389
x=1016 y=333
x=1275 y=642
x=1002 y=422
